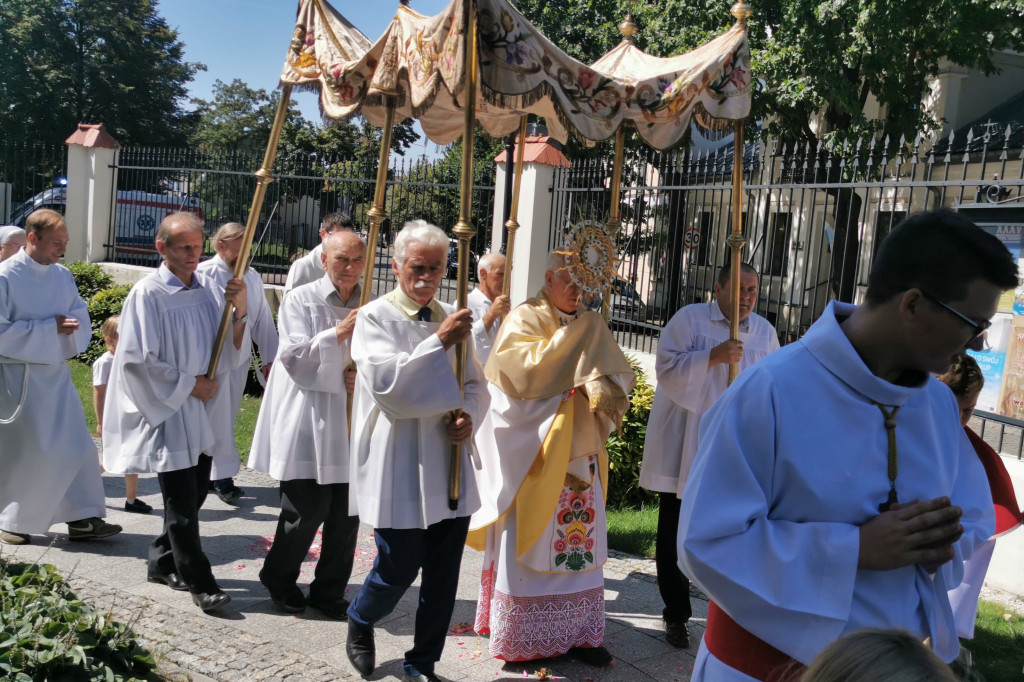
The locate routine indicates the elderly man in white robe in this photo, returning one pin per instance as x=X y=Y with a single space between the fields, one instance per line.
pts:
x=227 y=242
x=50 y=471
x=694 y=354
x=559 y=384
x=161 y=413
x=301 y=436
x=407 y=412
x=834 y=488
x=487 y=302
x=12 y=240
x=310 y=267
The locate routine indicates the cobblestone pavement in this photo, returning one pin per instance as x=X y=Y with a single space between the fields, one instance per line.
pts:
x=251 y=640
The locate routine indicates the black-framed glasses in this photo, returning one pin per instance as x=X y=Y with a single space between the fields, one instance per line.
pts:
x=977 y=341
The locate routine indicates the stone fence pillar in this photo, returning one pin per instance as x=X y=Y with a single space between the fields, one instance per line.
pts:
x=92 y=180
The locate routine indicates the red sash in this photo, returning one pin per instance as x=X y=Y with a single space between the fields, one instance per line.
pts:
x=742 y=651
x=1008 y=514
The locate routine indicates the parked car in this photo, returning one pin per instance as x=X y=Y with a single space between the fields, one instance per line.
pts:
x=453 y=261
x=626 y=304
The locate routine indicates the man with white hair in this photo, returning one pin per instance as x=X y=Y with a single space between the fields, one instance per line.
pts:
x=12 y=240
x=50 y=472
x=161 y=413
x=301 y=436
x=407 y=413
x=559 y=384
x=487 y=302
x=227 y=241
x=310 y=267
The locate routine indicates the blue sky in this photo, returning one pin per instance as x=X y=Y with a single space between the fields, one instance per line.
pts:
x=247 y=39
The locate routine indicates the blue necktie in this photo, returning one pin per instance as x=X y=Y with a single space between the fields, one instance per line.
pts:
x=424 y=314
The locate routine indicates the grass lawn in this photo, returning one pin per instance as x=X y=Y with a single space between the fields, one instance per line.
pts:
x=633 y=530
x=245 y=423
x=998 y=644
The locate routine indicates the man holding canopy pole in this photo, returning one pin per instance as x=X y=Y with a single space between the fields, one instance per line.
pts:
x=403 y=423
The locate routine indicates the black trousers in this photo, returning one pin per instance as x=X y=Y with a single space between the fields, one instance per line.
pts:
x=305 y=504
x=178 y=548
x=400 y=555
x=673 y=585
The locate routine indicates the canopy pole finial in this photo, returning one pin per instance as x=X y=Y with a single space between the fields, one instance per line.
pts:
x=627 y=27
x=403 y=3
x=742 y=11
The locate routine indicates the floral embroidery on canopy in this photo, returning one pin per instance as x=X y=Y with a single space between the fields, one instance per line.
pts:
x=419 y=65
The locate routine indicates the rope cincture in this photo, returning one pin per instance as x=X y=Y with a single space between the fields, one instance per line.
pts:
x=893 y=469
x=21 y=400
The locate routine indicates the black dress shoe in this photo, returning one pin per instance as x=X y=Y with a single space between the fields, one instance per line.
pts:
x=171 y=580
x=336 y=609
x=360 y=648
x=291 y=602
x=677 y=635
x=210 y=601
x=595 y=656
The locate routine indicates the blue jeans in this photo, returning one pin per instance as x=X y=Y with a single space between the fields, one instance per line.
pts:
x=401 y=553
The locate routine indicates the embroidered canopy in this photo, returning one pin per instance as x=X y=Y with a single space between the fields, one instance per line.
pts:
x=419 y=66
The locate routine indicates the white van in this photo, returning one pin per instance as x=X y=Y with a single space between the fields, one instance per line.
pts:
x=136 y=218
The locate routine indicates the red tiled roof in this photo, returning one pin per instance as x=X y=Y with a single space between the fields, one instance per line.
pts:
x=93 y=135
x=538 y=150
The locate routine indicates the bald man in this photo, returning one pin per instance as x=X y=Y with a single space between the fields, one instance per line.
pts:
x=301 y=436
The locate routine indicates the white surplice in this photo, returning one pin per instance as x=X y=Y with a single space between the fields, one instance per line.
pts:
x=151 y=422
x=261 y=331
x=308 y=268
x=478 y=302
x=405 y=384
x=302 y=429
x=792 y=461
x=50 y=469
x=686 y=389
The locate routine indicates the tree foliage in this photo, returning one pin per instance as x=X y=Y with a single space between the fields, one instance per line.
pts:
x=821 y=64
x=116 y=62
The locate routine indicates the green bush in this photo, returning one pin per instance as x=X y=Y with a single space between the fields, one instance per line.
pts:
x=626 y=448
x=47 y=633
x=89 y=278
x=101 y=306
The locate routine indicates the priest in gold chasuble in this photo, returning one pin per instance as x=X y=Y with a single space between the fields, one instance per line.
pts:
x=559 y=384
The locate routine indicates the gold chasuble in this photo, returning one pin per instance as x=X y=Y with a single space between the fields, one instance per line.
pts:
x=577 y=368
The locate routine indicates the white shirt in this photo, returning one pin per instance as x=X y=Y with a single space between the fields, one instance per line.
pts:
x=792 y=461
x=686 y=388
x=302 y=430
x=405 y=384
x=478 y=302
x=261 y=328
x=151 y=422
x=101 y=369
x=304 y=270
x=50 y=432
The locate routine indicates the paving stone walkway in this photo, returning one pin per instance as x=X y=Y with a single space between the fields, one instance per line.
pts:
x=251 y=640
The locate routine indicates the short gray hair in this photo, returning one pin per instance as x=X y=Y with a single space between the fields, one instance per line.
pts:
x=556 y=261
x=419 y=232
x=485 y=262
x=9 y=232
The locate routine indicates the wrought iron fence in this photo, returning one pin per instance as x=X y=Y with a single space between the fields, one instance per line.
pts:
x=813 y=218
x=219 y=187
x=32 y=175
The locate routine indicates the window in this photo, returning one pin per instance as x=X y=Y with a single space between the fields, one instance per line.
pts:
x=777 y=257
x=705 y=220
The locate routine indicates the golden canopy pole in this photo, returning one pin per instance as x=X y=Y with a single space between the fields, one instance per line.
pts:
x=614 y=217
x=376 y=213
x=263 y=178
x=737 y=240
x=465 y=231
x=512 y=224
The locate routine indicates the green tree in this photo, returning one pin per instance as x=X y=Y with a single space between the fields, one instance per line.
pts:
x=821 y=63
x=116 y=62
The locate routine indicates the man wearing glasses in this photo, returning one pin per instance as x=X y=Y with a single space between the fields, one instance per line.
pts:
x=833 y=487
